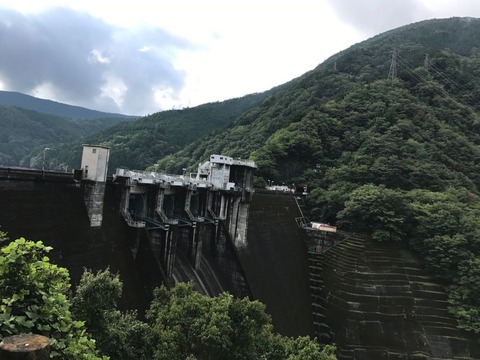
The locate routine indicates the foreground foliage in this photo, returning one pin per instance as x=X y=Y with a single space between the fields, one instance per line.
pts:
x=183 y=324
x=190 y=325
x=120 y=335
x=34 y=300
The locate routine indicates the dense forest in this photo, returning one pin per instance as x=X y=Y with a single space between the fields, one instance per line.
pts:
x=26 y=133
x=139 y=144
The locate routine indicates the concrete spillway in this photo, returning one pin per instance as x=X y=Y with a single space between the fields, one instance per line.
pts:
x=276 y=265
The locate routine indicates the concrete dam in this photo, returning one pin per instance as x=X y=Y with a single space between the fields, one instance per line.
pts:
x=375 y=301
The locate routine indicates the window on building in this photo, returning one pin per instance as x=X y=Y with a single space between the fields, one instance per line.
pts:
x=94 y=151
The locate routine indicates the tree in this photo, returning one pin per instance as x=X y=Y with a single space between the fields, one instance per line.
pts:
x=444 y=253
x=3 y=236
x=95 y=294
x=439 y=215
x=188 y=325
x=303 y=348
x=119 y=335
x=33 y=293
x=375 y=209
x=326 y=203
x=465 y=295
x=185 y=323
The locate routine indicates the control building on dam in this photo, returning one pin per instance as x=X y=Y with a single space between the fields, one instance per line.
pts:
x=375 y=301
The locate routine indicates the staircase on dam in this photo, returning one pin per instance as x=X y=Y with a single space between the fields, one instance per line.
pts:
x=376 y=301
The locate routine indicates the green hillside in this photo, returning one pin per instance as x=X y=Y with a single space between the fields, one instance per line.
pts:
x=345 y=72
x=140 y=143
x=23 y=131
x=25 y=134
x=11 y=98
x=396 y=157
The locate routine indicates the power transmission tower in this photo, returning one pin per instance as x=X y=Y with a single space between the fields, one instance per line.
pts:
x=392 y=74
x=426 y=63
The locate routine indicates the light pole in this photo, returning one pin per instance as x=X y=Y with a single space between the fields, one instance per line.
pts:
x=44 y=154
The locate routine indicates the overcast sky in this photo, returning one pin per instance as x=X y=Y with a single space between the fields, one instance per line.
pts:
x=143 y=56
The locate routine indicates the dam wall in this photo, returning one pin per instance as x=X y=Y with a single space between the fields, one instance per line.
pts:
x=276 y=264
x=55 y=213
x=380 y=303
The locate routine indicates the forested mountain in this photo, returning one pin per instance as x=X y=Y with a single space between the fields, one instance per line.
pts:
x=140 y=143
x=25 y=130
x=136 y=144
x=11 y=98
x=25 y=134
x=29 y=125
x=453 y=56
x=385 y=135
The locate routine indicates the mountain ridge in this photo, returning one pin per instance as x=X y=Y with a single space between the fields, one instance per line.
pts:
x=359 y=64
x=46 y=106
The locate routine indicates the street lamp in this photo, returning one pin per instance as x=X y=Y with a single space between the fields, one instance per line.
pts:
x=44 y=154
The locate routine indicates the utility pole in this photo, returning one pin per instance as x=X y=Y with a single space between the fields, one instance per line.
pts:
x=392 y=74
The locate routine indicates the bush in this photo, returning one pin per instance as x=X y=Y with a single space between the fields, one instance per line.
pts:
x=33 y=293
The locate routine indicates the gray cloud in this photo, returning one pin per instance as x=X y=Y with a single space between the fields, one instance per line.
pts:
x=80 y=56
x=372 y=17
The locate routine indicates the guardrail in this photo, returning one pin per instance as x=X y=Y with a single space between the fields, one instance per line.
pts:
x=35 y=174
